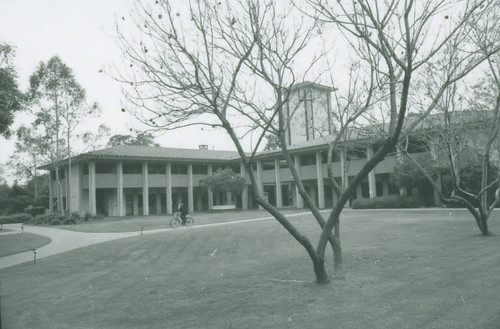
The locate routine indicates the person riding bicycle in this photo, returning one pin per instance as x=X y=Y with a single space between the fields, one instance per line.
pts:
x=183 y=212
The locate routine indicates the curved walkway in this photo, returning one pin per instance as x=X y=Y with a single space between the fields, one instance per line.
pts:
x=62 y=241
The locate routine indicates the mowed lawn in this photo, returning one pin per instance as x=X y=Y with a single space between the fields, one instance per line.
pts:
x=16 y=243
x=404 y=269
x=134 y=223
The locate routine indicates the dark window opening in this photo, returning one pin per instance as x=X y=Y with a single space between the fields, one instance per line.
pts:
x=105 y=168
x=200 y=169
x=132 y=168
x=179 y=169
x=307 y=160
x=156 y=169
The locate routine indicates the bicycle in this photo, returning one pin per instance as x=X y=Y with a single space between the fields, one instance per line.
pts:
x=177 y=221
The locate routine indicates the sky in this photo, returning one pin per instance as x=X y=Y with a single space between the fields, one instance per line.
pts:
x=81 y=33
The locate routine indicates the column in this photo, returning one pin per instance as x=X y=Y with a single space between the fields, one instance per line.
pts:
x=319 y=180
x=260 y=186
x=190 y=188
x=229 y=198
x=68 y=192
x=119 y=189
x=299 y=202
x=244 y=195
x=92 y=190
x=145 y=189
x=169 y=188
x=372 y=183
x=51 y=196
x=210 y=193
x=279 y=196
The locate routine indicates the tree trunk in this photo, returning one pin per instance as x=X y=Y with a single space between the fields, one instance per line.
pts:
x=320 y=271
x=484 y=225
x=338 y=273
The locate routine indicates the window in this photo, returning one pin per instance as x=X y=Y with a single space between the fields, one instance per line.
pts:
x=179 y=169
x=308 y=159
x=156 y=169
x=200 y=169
x=268 y=165
x=85 y=169
x=105 y=168
x=132 y=168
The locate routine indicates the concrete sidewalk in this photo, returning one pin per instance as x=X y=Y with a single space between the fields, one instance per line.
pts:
x=62 y=241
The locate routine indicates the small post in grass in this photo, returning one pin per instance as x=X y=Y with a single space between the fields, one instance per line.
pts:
x=34 y=256
x=22 y=228
x=142 y=229
x=1 y=227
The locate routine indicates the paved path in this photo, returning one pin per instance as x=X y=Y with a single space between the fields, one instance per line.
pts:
x=62 y=241
x=66 y=240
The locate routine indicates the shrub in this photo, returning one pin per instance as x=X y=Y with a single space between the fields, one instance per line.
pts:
x=388 y=202
x=46 y=219
x=55 y=222
x=16 y=218
x=33 y=211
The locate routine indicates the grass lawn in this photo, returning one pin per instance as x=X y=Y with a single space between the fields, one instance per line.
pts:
x=16 y=243
x=405 y=269
x=134 y=223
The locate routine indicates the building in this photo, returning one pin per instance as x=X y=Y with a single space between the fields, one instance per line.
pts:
x=136 y=180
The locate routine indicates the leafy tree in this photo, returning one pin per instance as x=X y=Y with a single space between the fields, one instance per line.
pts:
x=407 y=175
x=28 y=155
x=272 y=143
x=10 y=96
x=144 y=139
x=58 y=102
x=224 y=180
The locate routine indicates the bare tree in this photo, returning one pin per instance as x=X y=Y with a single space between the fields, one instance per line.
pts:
x=234 y=65
x=465 y=129
x=399 y=39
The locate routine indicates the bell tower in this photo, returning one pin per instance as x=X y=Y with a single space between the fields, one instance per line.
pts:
x=309 y=113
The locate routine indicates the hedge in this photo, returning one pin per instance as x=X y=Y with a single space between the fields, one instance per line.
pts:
x=33 y=211
x=16 y=218
x=395 y=201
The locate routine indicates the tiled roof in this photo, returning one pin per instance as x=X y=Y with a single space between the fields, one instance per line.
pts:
x=149 y=152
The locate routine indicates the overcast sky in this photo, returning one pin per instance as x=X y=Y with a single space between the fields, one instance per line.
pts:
x=80 y=32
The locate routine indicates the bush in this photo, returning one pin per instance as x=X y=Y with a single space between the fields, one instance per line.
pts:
x=33 y=211
x=55 y=222
x=395 y=201
x=16 y=218
x=46 y=219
